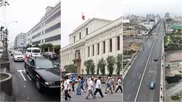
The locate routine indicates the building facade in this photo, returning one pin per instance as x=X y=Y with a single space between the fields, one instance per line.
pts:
x=48 y=29
x=20 y=41
x=94 y=39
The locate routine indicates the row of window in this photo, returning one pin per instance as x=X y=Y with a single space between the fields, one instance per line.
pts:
x=80 y=34
x=37 y=28
x=53 y=38
x=104 y=47
x=53 y=17
x=36 y=42
x=37 y=35
x=58 y=25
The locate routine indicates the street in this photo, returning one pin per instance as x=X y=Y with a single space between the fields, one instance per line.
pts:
x=115 y=97
x=144 y=70
x=24 y=87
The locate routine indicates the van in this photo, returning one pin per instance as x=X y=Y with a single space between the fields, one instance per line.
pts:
x=33 y=52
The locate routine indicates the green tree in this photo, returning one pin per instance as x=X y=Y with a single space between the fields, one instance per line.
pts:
x=89 y=66
x=28 y=45
x=119 y=63
x=71 y=68
x=101 y=66
x=110 y=64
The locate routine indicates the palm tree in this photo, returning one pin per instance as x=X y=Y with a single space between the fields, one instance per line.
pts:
x=110 y=64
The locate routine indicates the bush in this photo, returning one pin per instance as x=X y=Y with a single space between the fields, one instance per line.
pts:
x=175 y=97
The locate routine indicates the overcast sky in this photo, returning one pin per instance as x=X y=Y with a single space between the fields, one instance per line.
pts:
x=141 y=7
x=72 y=13
x=27 y=12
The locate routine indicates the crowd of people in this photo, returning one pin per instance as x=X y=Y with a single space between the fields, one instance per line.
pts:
x=89 y=85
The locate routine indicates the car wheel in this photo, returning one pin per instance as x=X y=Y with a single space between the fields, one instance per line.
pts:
x=38 y=85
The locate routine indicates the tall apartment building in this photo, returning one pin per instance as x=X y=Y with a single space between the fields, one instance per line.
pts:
x=94 y=39
x=20 y=41
x=48 y=29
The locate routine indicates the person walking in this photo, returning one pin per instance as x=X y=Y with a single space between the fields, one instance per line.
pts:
x=78 y=90
x=119 y=81
x=73 y=84
x=66 y=88
x=82 y=83
x=98 y=87
x=90 y=88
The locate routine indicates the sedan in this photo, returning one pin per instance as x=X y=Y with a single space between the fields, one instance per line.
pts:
x=152 y=85
x=45 y=74
x=18 y=56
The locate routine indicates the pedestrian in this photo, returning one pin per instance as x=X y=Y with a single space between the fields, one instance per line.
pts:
x=86 y=84
x=66 y=88
x=90 y=88
x=119 y=82
x=108 y=86
x=73 y=83
x=78 y=90
x=82 y=83
x=98 y=87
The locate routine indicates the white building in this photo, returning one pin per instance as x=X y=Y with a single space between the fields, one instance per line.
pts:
x=94 y=39
x=48 y=29
x=20 y=41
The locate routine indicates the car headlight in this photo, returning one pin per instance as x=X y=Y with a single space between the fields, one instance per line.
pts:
x=48 y=83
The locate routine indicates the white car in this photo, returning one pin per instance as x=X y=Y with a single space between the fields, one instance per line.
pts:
x=18 y=56
x=33 y=52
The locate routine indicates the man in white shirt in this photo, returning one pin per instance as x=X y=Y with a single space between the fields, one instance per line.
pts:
x=90 y=88
x=119 y=85
x=66 y=88
x=98 y=87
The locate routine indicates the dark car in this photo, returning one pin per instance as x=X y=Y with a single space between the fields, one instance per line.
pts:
x=51 y=55
x=152 y=85
x=45 y=74
x=155 y=59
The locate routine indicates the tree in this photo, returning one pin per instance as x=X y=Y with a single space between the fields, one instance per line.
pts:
x=71 y=68
x=110 y=64
x=119 y=63
x=28 y=45
x=101 y=65
x=36 y=45
x=90 y=67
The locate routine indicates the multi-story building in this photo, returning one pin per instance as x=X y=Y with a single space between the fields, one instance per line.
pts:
x=20 y=41
x=48 y=29
x=94 y=39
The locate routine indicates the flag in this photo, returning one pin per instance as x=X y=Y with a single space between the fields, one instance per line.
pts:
x=83 y=16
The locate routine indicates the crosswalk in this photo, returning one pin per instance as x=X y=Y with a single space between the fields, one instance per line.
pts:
x=24 y=75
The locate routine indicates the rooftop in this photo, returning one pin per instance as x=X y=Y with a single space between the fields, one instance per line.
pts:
x=174 y=56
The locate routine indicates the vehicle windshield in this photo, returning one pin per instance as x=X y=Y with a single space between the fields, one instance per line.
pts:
x=18 y=53
x=52 y=53
x=44 y=64
x=36 y=51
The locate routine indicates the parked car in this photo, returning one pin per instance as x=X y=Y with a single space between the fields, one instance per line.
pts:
x=51 y=55
x=18 y=56
x=45 y=74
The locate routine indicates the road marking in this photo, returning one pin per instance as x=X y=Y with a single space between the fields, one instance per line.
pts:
x=134 y=84
x=144 y=72
x=29 y=77
x=128 y=97
x=139 y=76
x=22 y=74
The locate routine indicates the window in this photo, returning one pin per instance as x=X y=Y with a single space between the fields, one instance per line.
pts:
x=74 y=38
x=104 y=47
x=57 y=14
x=58 y=25
x=92 y=50
x=118 y=43
x=110 y=45
x=44 y=64
x=37 y=28
x=36 y=42
x=98 y=49
x=53 y=38
x=88 y=51
x=86 y=31
x=80 y=35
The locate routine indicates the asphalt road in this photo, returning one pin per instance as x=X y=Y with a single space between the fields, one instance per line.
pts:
x=24 y=87
x=144 y=70
x=116 y=97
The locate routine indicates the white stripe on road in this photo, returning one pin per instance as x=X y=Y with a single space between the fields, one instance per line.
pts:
x=128 y=97
x=22 y=74
x=134 y=84
x=29 y=77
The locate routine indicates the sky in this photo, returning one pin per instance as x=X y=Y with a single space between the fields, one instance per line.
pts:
x=71 y=13
x=27 y=12
x=142 y=7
